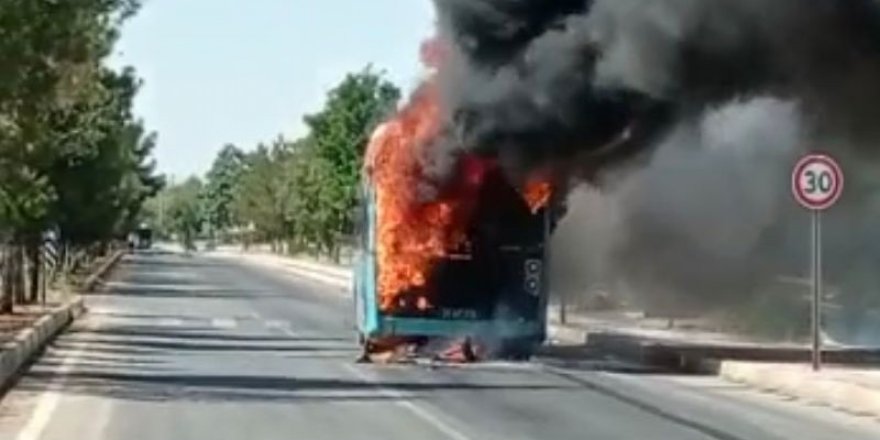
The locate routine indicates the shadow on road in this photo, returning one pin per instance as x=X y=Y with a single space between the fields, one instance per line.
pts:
x=151 y=387
x=71 y=346
x=172 y=363
x=104 y=358
x=106 y=365
x=99 y=344
x=184 y=292
x=134 y=331
x=176 y=262
x=157 y=284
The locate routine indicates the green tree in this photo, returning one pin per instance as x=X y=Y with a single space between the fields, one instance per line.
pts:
x=50 y=69
x=339 y=135
x=266 y=196
x=58 y=108
x=185 y=211
x=102 y=184
x=221 y=183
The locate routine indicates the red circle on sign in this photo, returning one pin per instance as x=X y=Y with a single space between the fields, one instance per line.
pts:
x=800 y=189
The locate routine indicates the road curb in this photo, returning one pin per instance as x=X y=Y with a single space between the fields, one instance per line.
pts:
x=29 y=342
x=16 y=354
x=798 y=382
x=706 y=357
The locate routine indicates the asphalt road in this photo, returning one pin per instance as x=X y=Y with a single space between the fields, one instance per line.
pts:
x=182 y=348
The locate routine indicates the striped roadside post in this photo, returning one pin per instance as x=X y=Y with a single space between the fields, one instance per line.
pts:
x=49 y=253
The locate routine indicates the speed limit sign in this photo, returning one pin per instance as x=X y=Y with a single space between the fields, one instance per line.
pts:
x=817 y=182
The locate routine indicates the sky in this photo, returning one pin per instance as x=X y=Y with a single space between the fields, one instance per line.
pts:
x=241 y=72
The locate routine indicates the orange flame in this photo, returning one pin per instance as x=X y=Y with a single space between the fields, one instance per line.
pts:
x=413 y=235
x=537 y=193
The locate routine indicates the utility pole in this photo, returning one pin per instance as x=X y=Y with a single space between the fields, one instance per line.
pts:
x=162 y=208
x=162 y=204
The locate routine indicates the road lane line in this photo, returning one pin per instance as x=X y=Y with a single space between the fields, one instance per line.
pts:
x=170 y=322
x=402 y=399
x=279 y=325
x=51 y=397
x=223 y=323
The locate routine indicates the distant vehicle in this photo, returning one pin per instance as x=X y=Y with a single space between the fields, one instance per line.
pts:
x=141 y=238
x=493 y=288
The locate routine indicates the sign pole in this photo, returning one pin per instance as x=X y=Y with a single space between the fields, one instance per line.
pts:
x=817 y=290
x=817 y=183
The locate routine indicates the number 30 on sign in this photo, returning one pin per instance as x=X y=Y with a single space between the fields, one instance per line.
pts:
x=817 y=182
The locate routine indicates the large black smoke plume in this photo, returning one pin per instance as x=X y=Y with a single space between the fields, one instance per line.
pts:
x=539 y=82
x=710 y=226
x=710 y=102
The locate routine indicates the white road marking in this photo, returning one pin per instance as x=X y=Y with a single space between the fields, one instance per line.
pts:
x=170 y=322
x=279 y=325
x=50 y=398
x=402 y=399
x=223 y=323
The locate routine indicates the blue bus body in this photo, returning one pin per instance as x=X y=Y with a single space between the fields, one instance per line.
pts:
x=500 y=298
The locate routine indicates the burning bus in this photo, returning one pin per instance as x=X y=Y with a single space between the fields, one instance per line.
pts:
x=463 y=259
